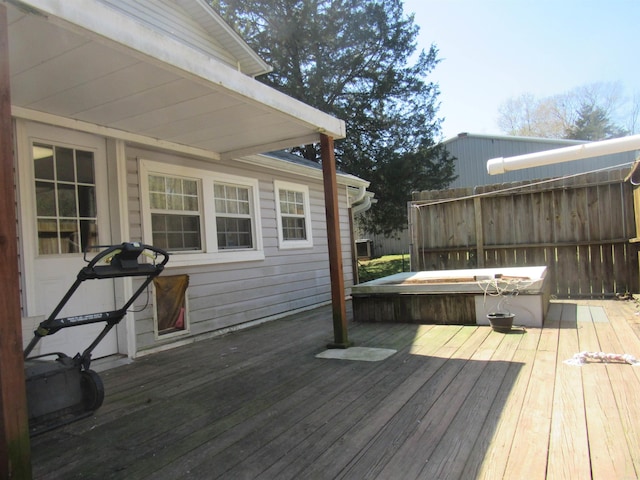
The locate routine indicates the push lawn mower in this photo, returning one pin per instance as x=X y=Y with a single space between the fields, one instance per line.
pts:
x=65 y=389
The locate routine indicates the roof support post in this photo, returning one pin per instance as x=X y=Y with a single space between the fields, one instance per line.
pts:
x=336 y=270
x=15 y=455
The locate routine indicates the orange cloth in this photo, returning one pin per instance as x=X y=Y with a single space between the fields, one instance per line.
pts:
x=170 y=301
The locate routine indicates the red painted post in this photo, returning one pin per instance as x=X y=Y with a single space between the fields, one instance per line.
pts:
x=336 y=271
x=15 y=456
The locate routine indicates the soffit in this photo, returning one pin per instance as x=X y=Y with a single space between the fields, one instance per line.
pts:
x=91 y=63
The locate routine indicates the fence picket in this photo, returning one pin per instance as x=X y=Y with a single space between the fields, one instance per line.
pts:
x=578 y=228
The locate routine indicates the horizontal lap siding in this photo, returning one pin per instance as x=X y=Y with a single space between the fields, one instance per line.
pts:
x=168 y=18
x=225 y=295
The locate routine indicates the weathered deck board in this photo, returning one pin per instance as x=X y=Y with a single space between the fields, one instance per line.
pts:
x=568 y=443
x=453 y=402
x=528 y=456
x=409 y=418
x=449 y=459
x=610 y=455
x=627 y=396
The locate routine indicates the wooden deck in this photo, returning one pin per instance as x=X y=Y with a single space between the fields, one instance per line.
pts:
x=454 y=402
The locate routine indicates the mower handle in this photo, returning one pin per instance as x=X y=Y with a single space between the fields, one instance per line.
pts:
x=126 y=247
x=122 y=261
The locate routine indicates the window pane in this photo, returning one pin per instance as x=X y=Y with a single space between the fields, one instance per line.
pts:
x=244 y=239
x=159 y=223
x=66 y=200
x=173 y=185
x=174 y=202
x=45 y=199
x=221 y=206
x=158 y=201
x=234 y=233
x=87 y=201
x=84 y=165
x=191 y=241
x=88 y=234
x=191 y=203
x=176 y=232
x=190 y=187
x=43 y=161
x=173 y=222
x=65 y=165
x=47 y=237
x=69 y=237
x=156 y=183
x=293 y=228
x=191 y=224
x=160 y=240
x=175 y=240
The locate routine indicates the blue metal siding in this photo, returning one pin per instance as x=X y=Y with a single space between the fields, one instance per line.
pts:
x=473 y=151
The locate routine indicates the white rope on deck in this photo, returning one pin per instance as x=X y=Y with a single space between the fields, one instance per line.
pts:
x=582 y=358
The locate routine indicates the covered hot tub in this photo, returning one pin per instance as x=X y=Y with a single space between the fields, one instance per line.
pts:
x=454 y=297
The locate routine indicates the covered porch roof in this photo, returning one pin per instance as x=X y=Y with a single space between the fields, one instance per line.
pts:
x=91 y=66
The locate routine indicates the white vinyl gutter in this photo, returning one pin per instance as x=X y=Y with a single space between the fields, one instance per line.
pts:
x=577 y=152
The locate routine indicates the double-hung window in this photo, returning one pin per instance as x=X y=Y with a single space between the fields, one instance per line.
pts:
x=175 y=212
x=294 y=218
x=233 y=216
x=198 y=215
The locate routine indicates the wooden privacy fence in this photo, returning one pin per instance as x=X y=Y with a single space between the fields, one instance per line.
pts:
x=579 y=227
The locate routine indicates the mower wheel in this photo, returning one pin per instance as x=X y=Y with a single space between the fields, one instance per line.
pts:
x=92 y=390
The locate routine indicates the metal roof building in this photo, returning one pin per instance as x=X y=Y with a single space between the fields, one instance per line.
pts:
x=472 y=152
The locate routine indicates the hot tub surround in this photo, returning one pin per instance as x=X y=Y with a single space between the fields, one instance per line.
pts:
x=455 y=297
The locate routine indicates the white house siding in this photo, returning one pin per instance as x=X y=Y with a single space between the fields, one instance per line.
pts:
x=168 y=18
x=228 y=294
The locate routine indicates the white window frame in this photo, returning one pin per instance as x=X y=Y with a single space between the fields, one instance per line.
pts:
x=210 y=252
x=295 y=187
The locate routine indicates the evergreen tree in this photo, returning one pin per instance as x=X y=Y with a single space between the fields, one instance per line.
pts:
x=350 y=58
x=593 y=124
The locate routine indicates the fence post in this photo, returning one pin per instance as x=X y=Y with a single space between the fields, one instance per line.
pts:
x=477 y=207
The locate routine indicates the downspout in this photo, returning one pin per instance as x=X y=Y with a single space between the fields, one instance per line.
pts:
x=353 y=200
x=362 y=191
x=363 y=206
x=359 y=204
x=577 y=152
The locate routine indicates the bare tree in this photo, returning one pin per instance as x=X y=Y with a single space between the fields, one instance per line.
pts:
x=633 y=115
x=556 y=116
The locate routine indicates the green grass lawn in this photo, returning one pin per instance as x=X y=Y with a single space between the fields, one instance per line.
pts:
x=382 y=267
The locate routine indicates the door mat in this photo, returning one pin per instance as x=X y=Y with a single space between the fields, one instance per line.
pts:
x=364 y=354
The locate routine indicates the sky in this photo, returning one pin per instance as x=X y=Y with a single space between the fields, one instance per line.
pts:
x=494 y=50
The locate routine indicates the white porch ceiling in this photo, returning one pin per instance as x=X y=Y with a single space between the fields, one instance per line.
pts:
x=87 y=62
